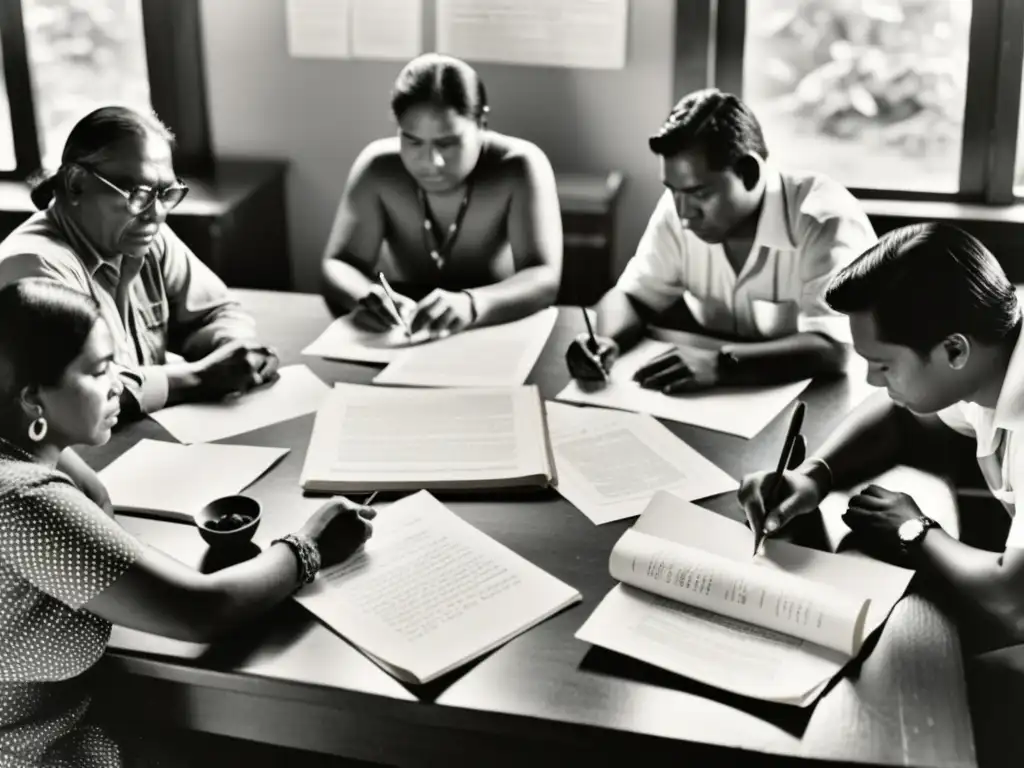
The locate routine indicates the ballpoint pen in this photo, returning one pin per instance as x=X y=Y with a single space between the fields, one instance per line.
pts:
x=389 y=294
x=590 y=331
x=772 y=484
x=370 y=498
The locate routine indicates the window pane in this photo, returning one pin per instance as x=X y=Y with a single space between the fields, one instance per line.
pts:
x=1018 y=172
x=82 y=54
x=870 y=92
x=8 y=161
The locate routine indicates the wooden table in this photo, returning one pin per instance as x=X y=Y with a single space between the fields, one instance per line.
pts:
x=544 y=697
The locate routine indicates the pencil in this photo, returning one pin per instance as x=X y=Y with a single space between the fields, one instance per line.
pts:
x=370 y=498
x=590 y=330
x=393 y=304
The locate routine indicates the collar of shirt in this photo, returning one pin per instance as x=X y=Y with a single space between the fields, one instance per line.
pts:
x=91 y=257
x=773 y=225
x=1009 y=413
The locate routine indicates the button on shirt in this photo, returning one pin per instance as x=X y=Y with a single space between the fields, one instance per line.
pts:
x=808 y=229
x=165 y=300
x=998 y=433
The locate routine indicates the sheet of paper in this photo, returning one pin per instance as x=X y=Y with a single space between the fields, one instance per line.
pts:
x=367 y=438
x=495 y=356
x=567 y=33
x=318 y=28
x=610 y=463
x=429 y=592
x=298 y=391
x=387 y=29
x=342 y=340
x=736 y=411
x=174 y=481
x=934 y=495
x=723 y=652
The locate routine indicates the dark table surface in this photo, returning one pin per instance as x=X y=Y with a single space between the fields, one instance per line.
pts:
x=544 y=696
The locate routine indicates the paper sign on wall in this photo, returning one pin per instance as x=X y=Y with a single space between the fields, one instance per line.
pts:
x=340 y=29
x=587 y=34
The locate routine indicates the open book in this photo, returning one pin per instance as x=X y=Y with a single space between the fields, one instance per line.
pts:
x=429 y=592
x=381 y=438
x=693 y=600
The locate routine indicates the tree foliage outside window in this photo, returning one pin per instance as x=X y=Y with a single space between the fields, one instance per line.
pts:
x=8 y=160
x=82 y=54
x=871 y=92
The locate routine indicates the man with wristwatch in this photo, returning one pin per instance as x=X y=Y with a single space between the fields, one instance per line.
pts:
x=939 y=324
x=742 y=249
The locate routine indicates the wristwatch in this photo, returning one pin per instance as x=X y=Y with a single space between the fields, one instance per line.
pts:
x=911 y=532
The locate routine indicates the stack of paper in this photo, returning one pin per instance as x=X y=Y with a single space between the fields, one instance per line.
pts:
x=742 y=411
x=429 y=592
x=298 y=391
x=495 y=356
x=610 y=463
x=389 y=438
x=174 y=481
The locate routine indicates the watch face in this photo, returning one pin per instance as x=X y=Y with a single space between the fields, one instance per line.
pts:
x=910 y=530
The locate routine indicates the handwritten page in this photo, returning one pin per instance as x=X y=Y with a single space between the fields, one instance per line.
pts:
x=567 y=33
x=387 y=29
x=298 y=391
x=368 y=438
x=318 y=28
x=934 y=495
x=610 y=463
x=174 y=481
x=429 y=592
x=343 y=340
x=742 y=411
x=495 y=356
x=725 y=651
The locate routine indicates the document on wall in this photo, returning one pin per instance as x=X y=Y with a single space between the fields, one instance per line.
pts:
x=172 y=481
x=611 y=463
x=297 y=391
x=344 y=340
x=935 y=496
x=318 y=29
x=778 y=626
x=495 y=356
x=742 y=411
x=567 y=33
x=429 y=592
x=389 y=438
x=387 y=29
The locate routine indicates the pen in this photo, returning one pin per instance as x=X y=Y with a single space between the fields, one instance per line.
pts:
x=590 y=330
x=770 y=487
x=393 y=304
x=370 y=498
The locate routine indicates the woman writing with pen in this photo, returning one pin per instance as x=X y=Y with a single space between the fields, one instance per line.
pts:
x=465 y=219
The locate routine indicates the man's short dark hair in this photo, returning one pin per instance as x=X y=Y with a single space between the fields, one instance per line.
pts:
x=717 y=123
x=925 y=282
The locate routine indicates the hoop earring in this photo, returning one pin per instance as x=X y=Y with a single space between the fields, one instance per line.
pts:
x=37 y=429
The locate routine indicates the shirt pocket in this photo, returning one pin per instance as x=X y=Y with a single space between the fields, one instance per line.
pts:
x=154 y=315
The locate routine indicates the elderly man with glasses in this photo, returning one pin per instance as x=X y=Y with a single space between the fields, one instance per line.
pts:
x=101 y=229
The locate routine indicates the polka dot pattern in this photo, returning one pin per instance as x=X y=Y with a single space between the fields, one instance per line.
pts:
x=57 y=551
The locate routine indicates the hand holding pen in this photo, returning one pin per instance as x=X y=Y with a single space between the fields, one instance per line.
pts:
x=773 y=485
x=380 y=309
x=590 y=357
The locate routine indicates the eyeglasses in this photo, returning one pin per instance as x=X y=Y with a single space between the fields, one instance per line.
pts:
x=142 y=196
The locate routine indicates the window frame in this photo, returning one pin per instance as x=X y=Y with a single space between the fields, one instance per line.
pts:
x=710 y=38
x=177 y=83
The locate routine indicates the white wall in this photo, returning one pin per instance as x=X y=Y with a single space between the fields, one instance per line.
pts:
x=318 y=114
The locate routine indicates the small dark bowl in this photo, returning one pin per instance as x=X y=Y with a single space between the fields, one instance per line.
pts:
x=237 y=536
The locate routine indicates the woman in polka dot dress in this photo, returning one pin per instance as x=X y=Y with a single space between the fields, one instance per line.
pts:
x=67 y=569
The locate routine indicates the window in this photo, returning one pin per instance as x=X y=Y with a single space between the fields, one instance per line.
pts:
x=871 y=92
x=64 y=58
x=82 y=55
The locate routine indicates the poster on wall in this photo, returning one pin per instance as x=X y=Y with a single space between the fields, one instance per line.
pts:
x=587 y=34
x=367 y=29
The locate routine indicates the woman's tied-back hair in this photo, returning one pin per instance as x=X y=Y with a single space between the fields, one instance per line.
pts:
x=925 y=282
x=94 y=139
x=718 y=123
x=45 y=327
x=440 y=81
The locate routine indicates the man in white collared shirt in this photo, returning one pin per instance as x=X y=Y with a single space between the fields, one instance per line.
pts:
x=940 y=326
x=747 y=247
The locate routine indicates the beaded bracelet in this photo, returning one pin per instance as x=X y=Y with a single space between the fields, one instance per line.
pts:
x=472 y=306
x=307 y=553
